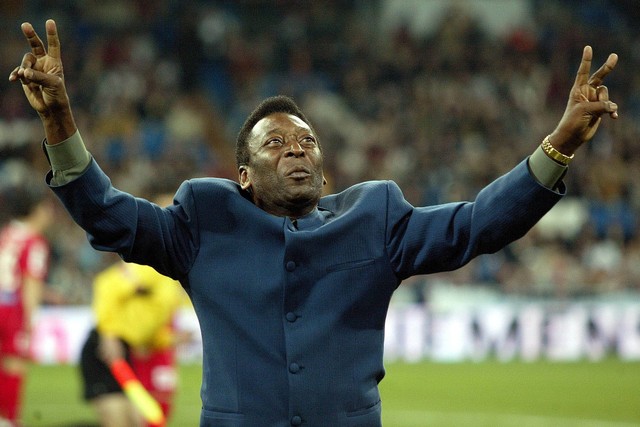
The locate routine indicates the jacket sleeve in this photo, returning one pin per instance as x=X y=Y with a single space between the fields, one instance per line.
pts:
x=138 y=230
x=446 y=237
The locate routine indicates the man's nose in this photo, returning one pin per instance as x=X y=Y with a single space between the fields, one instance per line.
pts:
x=295 y=149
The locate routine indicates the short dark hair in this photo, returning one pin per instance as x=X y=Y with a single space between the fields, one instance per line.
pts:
x=20 y=190
x=22 y=200
x=274 y=104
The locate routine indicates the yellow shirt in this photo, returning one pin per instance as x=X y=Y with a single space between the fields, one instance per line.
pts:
x=137 y=304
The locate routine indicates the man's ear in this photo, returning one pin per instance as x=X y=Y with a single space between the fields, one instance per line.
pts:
x=243 y=177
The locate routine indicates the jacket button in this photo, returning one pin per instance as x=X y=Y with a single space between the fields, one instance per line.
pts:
x=294 y=368
x=291 y=317
x=296 y=420
x=291 y=266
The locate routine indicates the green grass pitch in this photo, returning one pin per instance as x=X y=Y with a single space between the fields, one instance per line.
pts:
x=487 y=394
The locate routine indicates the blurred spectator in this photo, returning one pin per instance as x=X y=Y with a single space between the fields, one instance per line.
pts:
x=394 y=70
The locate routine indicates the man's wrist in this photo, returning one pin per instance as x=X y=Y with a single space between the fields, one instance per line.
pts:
x=554 y=154
x=547 y=171
x=68 y=159
x=58 y=126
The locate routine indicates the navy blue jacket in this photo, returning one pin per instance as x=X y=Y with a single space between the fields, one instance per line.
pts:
x=292 y=319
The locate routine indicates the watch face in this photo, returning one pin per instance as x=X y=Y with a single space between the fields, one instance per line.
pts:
x=555 y=154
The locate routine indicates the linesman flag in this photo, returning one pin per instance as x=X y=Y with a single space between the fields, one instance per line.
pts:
x=137 y=394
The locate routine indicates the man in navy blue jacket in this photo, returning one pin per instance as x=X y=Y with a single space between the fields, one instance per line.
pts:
x=291 y=289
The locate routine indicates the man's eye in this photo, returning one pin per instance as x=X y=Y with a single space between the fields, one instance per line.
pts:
x=274 y=141
x=308 y=140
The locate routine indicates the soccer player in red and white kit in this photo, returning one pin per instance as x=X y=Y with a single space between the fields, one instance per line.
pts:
x=24 y=261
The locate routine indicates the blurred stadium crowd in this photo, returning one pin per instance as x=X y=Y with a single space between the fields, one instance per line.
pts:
x=160 y=88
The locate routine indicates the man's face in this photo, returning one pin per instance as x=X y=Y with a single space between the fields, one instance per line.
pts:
x=284 y=173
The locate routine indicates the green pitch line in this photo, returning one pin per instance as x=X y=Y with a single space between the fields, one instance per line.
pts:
x=417 y=418
x=603 y=394
x=487 y=394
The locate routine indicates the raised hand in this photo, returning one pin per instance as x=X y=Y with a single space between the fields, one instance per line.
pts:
x=588 y=101
x=42 y=78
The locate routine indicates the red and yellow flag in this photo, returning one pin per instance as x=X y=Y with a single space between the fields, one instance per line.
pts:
x=135 y=391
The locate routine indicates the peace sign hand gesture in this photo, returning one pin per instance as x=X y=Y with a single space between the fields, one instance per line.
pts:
x=588 y=101
x=42 y=80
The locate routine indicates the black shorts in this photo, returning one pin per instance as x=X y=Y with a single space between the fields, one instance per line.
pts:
x=96 y=376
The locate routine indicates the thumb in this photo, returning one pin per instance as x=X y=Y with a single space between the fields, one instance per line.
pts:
x=599 y=108
x=44 y=79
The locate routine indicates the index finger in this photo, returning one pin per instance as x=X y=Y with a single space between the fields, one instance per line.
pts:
x=582 y=77
x=37 y=47
x=597 y=78
x=52 y=38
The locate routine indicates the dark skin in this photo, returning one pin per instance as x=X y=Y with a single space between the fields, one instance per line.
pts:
x=588 y=101
x=284 y=174
x=42 y=78
x=267 y=176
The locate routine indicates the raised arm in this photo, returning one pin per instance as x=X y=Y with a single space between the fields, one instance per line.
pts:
x=42 y=78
